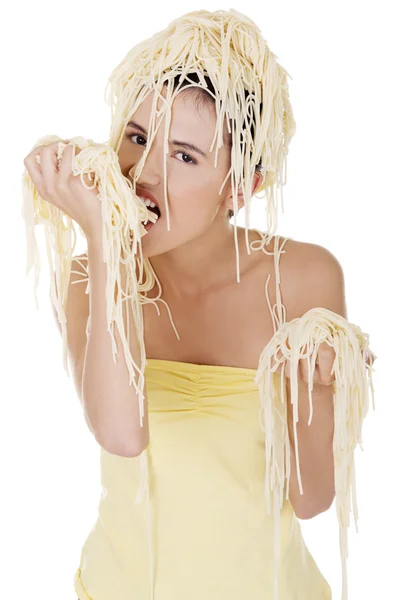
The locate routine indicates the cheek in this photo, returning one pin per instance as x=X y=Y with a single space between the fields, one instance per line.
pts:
x=193 y=196
x=125 y=161
x=197 y=212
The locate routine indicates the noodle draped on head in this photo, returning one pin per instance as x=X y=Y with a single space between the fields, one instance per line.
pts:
x=222 y=54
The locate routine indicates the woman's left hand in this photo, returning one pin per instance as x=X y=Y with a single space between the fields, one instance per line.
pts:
x=323 y=366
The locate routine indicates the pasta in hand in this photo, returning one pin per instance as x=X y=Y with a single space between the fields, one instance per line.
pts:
x=121 y=215
x=300 y=340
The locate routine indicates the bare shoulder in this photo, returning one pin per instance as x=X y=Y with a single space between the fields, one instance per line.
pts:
x=311 y=277
x=309 y=259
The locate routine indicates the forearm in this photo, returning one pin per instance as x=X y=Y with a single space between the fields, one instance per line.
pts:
x=110 y=402
x=315 y=449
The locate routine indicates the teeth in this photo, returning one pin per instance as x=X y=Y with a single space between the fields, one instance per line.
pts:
x=148 y=202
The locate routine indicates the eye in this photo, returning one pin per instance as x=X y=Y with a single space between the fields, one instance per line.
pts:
x=192 y=160
x=132 y=135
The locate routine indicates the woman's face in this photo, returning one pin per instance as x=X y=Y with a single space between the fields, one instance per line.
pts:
x=193 y=183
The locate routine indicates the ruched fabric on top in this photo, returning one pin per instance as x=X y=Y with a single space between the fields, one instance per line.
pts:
x=211 y=536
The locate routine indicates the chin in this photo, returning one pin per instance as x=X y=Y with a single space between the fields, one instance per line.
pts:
x=157 y=240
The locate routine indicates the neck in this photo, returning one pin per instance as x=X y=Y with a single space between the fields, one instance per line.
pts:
x=201 y=264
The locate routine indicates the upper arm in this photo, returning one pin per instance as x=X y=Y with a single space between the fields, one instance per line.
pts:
x=76 y=313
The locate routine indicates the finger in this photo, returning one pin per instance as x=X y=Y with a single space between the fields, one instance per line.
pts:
x=33 y=168
x=277 y=359
x=304 y=370
x=34 y=162
x=325 y=361
x=369 y=357
x=284 y=365
x=88 y=179
x=65 y=165
x=48 y=163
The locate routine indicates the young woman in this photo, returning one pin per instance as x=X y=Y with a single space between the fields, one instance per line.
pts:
x=205 y=530
x=211 y=536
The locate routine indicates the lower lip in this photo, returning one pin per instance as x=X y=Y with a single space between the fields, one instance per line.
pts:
x=150 y=225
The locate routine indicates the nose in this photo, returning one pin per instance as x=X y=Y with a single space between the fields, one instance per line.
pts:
x=152 y=170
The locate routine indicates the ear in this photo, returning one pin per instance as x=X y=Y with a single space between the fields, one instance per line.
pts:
x=258 y=178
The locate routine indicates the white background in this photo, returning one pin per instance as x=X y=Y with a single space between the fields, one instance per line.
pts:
x=342 y=192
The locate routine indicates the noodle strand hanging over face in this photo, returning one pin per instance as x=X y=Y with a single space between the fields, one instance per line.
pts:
x=228 y=48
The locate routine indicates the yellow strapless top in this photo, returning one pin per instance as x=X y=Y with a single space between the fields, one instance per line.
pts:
x=203 y=531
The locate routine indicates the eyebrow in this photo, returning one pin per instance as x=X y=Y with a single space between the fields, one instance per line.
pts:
x=174 y=142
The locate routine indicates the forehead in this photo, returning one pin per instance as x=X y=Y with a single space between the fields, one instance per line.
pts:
x=191 y=121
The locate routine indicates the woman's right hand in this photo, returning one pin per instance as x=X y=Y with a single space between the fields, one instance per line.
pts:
x=62 y=188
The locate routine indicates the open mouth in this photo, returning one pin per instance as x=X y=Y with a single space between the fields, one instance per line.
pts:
x=153 y=208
